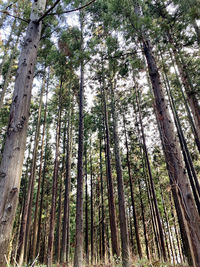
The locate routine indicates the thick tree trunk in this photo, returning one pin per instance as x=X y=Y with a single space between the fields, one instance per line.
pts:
x=185 y=205
x=13 y=153
x=26 y=219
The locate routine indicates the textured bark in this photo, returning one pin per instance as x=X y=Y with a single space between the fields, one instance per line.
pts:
x=189 y=89
x=186 y=154
x=120 y=185
x=26 y=219
x=185 y=205
x=13 y=153
x=191 y=121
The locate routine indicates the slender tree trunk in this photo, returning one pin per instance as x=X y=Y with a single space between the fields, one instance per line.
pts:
x=35 y=225
x=78 y=256
x=91 y=206
x=102 y=203
x=65 y=231
x=86 y=210
x=120 y=185
x=132 y=194
x=13 y=153
x=161 y=235
x=111 y=201
x=55 y=185
x=8 y=74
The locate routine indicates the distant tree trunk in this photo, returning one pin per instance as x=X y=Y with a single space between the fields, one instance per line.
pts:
x=102 y=203
x=7 y=45
x=120 y=185
x=91 y=207
x=65 y=231
x=35 y=225
x=39 y=232
x=184 y=201
x=55 y=185
x=78 y=256
x=8 y=74
x=11 y=166
x=86 y=210
x=197 y=30
x=111 y=201
x=132 y=194
x=158 y=218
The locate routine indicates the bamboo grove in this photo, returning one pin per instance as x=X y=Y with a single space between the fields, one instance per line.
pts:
x=100 y=133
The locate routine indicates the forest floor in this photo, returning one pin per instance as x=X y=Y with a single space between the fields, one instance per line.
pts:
x=141 y=263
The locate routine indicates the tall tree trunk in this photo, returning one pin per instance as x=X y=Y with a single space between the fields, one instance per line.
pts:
x=65 y=231
x=120 y=185
x=13 y=153
x=86 y=210
x=189 y=88
x=78 y=256
x=102 y=203
x=55 y=185
x=26 y=219
x=111 y=201
x=91 y=206
x=186 y=154
x=132 y=194
x=158 y=218
x=35 y=225
x=186 y=209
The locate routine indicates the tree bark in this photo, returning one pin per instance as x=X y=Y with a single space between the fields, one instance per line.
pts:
x=13 y=153
x=186 y=209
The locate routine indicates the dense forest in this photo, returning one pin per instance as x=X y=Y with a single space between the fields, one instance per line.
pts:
x=99 y=133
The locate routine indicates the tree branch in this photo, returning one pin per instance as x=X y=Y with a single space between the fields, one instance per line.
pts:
x=49 y=10
x=64 y=12
x=8 y=14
